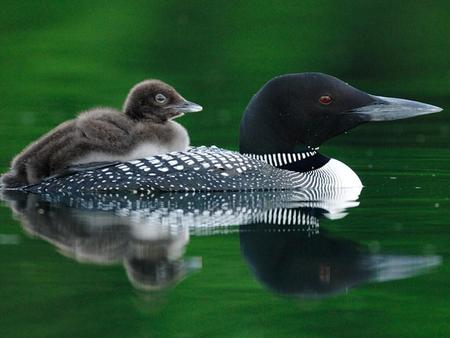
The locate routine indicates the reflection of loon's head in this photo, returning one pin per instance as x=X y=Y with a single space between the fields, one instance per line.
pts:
x=310 y=108
x=296 y=263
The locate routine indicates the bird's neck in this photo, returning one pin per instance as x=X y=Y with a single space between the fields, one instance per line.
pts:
x=274 y=149
x=136 y=117
x=263 y=136
x=293 y=161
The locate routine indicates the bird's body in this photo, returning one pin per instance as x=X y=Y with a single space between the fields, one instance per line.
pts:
x=203 y=169
x=103 y=134
x=281 y=129
x=120 y=139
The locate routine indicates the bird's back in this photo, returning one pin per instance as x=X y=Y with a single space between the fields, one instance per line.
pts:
x=198 y=169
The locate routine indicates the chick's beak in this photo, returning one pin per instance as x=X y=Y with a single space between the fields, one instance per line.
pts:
x=187 y=107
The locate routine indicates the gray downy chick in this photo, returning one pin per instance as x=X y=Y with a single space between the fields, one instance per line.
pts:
x=144 y=128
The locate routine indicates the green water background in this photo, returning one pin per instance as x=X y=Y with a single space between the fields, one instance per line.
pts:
x=59 y=58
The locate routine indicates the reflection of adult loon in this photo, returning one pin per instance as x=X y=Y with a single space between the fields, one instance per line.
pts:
x=279 y=234
x=204 y=213
x=282 y=127
x=297 y=264
x=148 y=234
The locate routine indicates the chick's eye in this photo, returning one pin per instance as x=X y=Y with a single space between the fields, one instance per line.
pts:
x=160 y=98
x=325 y=99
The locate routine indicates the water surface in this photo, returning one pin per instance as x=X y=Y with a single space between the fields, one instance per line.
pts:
x=189 y=264
x=381 y=270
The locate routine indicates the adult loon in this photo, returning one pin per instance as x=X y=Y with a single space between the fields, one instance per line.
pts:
x=144 y=128
x=281 y=129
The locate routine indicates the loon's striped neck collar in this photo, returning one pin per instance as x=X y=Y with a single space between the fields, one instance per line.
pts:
x=306 y=160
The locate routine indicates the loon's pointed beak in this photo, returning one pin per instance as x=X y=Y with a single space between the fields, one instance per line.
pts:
x=389 y=108
x=187 y=107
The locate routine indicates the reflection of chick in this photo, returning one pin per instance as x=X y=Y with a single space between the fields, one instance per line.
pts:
x=152 y=254
x=145 y=128
x=159 y=272
x=159 y=265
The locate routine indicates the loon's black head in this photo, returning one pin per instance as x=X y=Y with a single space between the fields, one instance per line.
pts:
x=307 y=109
x=156 y=101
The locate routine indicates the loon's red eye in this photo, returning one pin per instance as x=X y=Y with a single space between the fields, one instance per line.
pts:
x=325 y=99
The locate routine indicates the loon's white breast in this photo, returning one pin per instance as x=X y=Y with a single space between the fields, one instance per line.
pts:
x=334 y=172
x=338 y=173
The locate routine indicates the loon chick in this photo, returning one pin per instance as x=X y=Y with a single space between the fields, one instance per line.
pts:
x=144 y=128
x=282 y=126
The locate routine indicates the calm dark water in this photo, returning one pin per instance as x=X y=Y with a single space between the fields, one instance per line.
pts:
x=230 y=267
